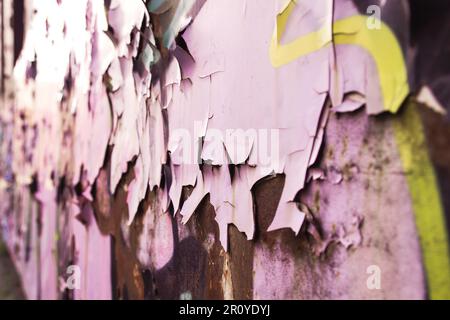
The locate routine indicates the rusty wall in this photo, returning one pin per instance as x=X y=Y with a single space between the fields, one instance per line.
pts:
x=225 y=149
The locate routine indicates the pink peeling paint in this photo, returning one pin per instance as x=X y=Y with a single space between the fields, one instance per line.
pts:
x=221 y=77
x=237 y=75
x=97 y=103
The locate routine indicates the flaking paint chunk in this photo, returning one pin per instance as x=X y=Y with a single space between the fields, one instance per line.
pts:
x=142 y=102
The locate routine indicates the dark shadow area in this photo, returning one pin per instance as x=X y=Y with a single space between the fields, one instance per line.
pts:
x=10 y=287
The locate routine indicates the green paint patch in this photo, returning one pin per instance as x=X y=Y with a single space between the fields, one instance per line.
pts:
x=427 y=205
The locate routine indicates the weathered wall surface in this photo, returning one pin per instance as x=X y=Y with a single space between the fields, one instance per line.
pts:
x=223 y=149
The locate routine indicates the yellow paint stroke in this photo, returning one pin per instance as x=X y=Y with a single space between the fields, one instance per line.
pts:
x=380 y=43
x=304 y=45
x=427 y=205
x=387 y=54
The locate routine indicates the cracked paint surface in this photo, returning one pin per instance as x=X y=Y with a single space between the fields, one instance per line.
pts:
x=108 y=91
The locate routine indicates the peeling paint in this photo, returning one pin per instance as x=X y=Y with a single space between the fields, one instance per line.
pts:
x=129 y=116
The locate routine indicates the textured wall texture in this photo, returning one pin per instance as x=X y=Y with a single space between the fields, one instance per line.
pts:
x=225 y=149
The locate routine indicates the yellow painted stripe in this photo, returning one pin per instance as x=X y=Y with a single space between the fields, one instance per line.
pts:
x=387 y=54
x=427 y=205
x=304 y=45
x=380 y=43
